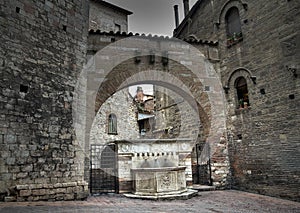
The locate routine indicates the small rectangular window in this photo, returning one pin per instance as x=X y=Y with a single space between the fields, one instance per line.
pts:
x=112 y=124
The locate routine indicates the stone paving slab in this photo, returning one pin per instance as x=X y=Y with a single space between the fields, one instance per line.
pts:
x=206 y=202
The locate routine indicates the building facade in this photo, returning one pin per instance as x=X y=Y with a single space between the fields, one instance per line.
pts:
x=252 y=46
x=107 y=17
x=258 y=49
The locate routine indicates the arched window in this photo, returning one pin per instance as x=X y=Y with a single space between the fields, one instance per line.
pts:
x=112 y=124
x=242 y=92
x=233 y=25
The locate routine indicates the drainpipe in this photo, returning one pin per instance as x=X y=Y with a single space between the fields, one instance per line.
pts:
x=176 y=16
x=186 y=7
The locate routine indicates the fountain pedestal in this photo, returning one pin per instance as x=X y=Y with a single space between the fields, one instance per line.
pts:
x=159 y=181
x=156 y=168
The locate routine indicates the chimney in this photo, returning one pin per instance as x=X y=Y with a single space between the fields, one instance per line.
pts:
x=176 y=15
x=186 y=7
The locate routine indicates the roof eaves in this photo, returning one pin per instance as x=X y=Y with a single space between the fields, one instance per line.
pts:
x=200 y=41
x=125 y=34
x=118 y=33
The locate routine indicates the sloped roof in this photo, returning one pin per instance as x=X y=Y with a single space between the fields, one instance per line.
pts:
x=112 y=6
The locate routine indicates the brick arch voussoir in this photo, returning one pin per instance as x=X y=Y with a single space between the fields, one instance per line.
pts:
x=241 y=72
x=199 y=72
x=123 y=73
x=201 y=99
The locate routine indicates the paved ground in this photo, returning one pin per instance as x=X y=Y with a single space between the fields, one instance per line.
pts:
x=212 y=201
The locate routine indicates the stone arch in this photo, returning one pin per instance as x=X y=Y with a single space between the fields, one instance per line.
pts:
x=242 y=72
x=237 y=73
x=107 y=72
x=199 y=101
x=162 y=80
x=241 y=5
x=233 y=22
x=157 y=77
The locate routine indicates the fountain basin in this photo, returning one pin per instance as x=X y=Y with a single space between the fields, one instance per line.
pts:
x=159 y=181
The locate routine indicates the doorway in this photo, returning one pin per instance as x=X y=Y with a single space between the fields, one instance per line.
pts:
x=202 y=171
x=103 y=174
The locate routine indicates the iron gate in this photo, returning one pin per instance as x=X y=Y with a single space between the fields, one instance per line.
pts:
x=204 y=169
x=103 y=169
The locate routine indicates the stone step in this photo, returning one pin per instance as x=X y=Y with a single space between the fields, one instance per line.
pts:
x=201 y=188
x=10 y=199
x=180 y=196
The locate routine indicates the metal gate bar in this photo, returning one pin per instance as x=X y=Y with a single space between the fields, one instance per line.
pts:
x=103 y=169
x=204 y=169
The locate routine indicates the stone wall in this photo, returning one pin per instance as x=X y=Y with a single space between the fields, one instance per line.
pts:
x=121 y=104
x=196 y=26
x=42 y=51
x=106 y=18
x=166 y=113
x=264 y=138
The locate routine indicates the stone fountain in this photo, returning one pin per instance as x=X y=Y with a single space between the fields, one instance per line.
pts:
x=159 y=168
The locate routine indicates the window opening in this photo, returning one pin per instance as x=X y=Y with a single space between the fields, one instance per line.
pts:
x=242 y=92
x=233 y=26
x=112 y=124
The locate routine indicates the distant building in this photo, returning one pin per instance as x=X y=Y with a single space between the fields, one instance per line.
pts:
x=145 y=111
x=108 y=17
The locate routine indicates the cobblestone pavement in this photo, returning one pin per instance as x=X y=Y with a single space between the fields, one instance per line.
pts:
x=213 y=201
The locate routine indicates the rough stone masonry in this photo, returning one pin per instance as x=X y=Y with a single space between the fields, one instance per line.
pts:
x=42 y=51
x=263 y=139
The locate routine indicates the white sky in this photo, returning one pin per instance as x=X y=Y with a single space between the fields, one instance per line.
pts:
x=154 y=17
x=147 y=88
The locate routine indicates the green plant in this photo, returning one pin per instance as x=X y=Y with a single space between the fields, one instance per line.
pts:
x=241 y=103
